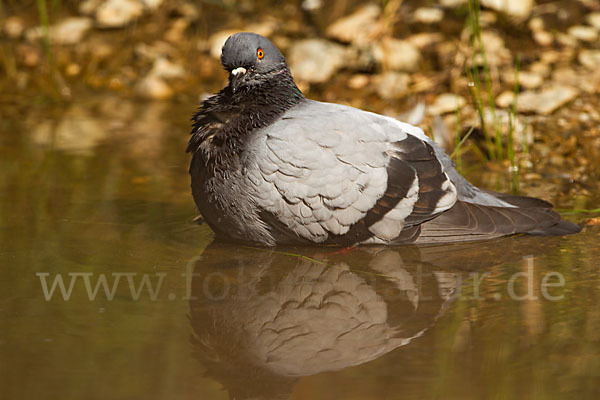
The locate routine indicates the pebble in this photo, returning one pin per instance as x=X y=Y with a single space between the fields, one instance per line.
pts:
x=28 y=55
x=152 y=5
x=391 y=85
x=546 y=101
x=496 y=51
x=153 y=87
x=89 y=7
x=536 y=24
x=13 y=27
x=76 y=132
x=356 y=28
x=217 y=40
x=520 y=9
x=358 y=81
x=69 y=31
x=316 y=60
x=425 y=39
x=594 y=20
x=165 y=69
x=528 y=80
x=543 y=38
x=428 y=15
x=505 y=99
x=583 y=33
x=118 y=13
x=176 y=32
x=452 y=3
x=397 y=55
x=446 y=103
x=590 y=59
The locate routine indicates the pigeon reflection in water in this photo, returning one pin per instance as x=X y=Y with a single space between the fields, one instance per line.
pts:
x=264 y=318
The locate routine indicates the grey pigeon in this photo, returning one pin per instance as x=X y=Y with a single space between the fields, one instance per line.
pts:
x=272 y=167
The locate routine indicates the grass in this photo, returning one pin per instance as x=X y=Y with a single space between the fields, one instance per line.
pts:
x=482 y=95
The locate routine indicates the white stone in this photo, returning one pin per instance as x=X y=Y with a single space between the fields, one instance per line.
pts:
x=13 y=27
x=543 y=38
x=583 y=33
x=446 y=103
x=546 y=101
x=392 y=85
x=397 y=55
x=520 y=9
x=89 y=7
x=217 y=40
x=590 y=59
x=452 y=3
x=428 y=15
x=69 y=31
x=118 y=13
x=527 y=79
x=356 y=28
x=152 y=4
x=163 y=68
x=316 y=60
x=153 y=87
x=594 y=20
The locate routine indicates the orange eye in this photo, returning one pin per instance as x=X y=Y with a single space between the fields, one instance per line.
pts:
x=260 y=53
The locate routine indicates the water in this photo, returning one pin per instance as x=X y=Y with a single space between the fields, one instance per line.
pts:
x=100 y=190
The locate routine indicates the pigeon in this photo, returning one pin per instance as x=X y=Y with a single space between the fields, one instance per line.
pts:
x=271 y=167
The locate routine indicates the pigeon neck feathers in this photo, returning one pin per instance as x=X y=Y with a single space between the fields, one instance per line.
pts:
x=225 y=120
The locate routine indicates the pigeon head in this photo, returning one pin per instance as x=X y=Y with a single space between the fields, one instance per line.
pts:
x=251 y=59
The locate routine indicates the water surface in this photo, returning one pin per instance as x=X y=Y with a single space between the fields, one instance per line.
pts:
x=99 y=190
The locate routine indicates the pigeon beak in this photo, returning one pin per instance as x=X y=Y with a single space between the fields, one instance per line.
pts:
x=238 y=71
x=236 y=76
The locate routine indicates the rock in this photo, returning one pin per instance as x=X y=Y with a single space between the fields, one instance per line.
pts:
x=520 y=9
x=425 y=39
x=312 y=5
x=89 y=7
x=586 y=81
x=527 y=80
x=357 y=28
x=265 y=28
x=153 y=87
x=316 y=60
x=546 y=101
x=543 y=38
x=69 y=31
x=397 y=55
x=188 y=10
x=583 y=33
x=28 y=55
x=496 y=52
x=446 y=103
x=13 y=27
x=536 y=24
x=358 y=81
x=165 y=69
x=594 y=20
x=392 y=85
x=540 y=68
x=505 y=99
x=176 y=32
x=76 y=132
x=590 y=59
x=217 y=40
x=452 y=3
x=428 y=15
x=152 y=4
x=118 y=13
x=566 y=40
